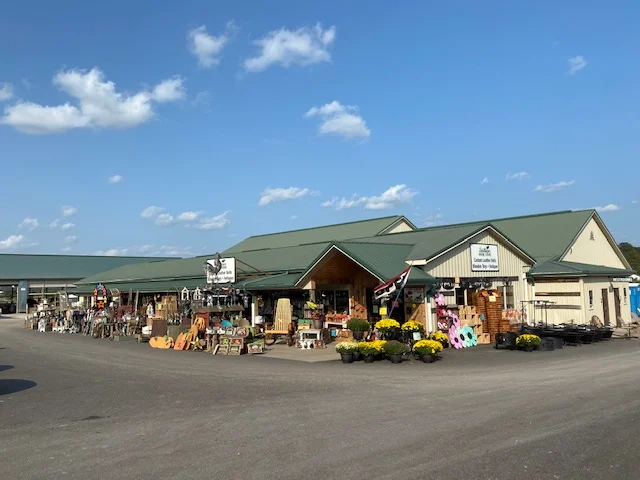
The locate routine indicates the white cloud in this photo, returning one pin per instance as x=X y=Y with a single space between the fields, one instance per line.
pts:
x=634 y=201
x=164 y=219
x=112 y=252
x=67 y=226
x=517 y=176
x=6 y=91
x=15 y=242
x=115 y=179
x=151 y=212
x=207 y=47
x=293 y=217
x=169 y=90
x=202 y=99
x=71 y=239
x=341 y=120
x=304 y=46
x=433 y=220
x=188 y=216
x=30 y=223
x=393 y=196
x=484 y=181
x=213 y=223
x=273 y=195
x=54 y=224
x=576 y=64
x=173 y=251
x=554 y=187
x=99 y=105
x=68 y=211
x=66 y=249
x=612 y=207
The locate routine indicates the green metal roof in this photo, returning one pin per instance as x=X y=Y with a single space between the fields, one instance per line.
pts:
x=271 y=282
x=328 y=233
x=556 y=267
x=49 y=267
x=167 y=286
x=385 y=261
x=541 y=236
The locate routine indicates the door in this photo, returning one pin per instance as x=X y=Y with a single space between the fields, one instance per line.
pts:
x=605 y=306
x=616 y=305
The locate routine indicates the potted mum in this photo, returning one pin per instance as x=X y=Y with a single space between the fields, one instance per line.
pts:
x=346 y=351
x=438 y=336
x=395 y=350
x=528 y=342
x=388 y=327
x=370 y=350
x=358 y=327
x=427 y=350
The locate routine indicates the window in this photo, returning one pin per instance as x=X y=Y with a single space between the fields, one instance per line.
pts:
x=592 y=237
x=590 y=299
x=335 y=301
x=624 y=292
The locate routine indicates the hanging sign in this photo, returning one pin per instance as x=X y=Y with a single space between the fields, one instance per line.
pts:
x=484 y=258
x=223 y=270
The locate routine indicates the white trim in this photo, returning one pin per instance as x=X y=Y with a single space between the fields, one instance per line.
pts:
x=323 y=257
x=402 y=219
x=492 y=229
x=413 y=263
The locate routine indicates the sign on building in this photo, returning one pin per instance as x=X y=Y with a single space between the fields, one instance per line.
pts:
x=226 y=272
x=484 y=258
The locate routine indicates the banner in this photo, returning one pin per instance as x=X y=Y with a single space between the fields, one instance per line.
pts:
x=397 y=283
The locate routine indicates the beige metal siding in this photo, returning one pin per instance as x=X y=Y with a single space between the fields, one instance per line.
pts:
x=593 y=252
x=567 y=298
x=457 y=262
x=401 y=227
x=597 y=285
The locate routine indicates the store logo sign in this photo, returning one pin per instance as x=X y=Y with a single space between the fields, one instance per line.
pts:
x=484 y=258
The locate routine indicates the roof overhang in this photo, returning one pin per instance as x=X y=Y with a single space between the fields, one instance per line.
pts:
x=329 y=251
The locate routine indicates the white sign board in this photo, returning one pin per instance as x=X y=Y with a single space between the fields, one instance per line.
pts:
x=227 y=273
x=484 y=258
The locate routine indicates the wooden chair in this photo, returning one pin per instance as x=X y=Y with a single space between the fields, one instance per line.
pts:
x=282 y=325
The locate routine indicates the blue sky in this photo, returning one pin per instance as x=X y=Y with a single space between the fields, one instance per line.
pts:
x=231 y=120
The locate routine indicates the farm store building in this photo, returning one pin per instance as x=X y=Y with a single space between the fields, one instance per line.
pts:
x=27 y=278
x=567 y=259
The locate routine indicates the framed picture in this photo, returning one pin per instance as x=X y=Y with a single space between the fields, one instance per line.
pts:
x=222 y=350
x=225 y=341
x=242 y=332
x=254 y=348
x=234 y=350
x=230 y=331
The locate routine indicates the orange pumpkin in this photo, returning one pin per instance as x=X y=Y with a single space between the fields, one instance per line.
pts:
x=161 y=342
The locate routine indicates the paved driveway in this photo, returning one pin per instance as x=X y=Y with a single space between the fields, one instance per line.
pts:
x=76 y=408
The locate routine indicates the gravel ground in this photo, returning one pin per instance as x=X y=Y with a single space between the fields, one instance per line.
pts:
x=76 y=408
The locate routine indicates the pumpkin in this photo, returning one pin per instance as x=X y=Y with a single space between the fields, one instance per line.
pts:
x=181 y=342
x=161 y=342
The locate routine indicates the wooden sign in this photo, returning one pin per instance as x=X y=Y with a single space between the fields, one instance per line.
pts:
x=254 y=348
x=221 y=350
x=234 y=350
x=242 y=332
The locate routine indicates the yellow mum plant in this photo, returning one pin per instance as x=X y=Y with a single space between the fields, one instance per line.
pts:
x=387 y=325
x=427 y=347
x=527 y=340
x=438 y=336
x=412 y=326
x=371 y=348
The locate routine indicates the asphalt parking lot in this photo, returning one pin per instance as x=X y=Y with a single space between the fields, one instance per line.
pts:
x=76 y=408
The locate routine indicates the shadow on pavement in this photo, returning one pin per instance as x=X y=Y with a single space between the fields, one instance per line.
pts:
x=5 y=367
x=14 y=385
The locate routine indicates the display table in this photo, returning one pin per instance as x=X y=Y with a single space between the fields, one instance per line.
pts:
x=309 y=334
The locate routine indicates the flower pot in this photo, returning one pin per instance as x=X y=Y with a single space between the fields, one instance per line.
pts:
x=445 y=344
x=358 y=335
x=529 y=348
x=346 y=357
x=317 y=324
x=369 y=358
x=395 y=358
x=428 y=358
x=357 y=356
